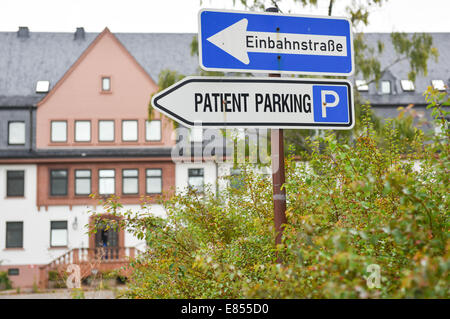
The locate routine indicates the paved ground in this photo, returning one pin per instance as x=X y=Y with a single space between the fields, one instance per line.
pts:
x=59 y=294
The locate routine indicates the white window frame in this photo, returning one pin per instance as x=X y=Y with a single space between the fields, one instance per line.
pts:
x=361 y=85
x=100 y=130
x=106 y=178
x=106 y=84
x=52 y=139
x=22 y=135
x=438 y=85
x=382 y=87
x=148 y=130
x=201 y=188
x=42 y=86
x=407 y=85
x=134 y=178
x=77 y=131
x=149 y=179
x=66 y=237
x=129 y=139
x=78 y=178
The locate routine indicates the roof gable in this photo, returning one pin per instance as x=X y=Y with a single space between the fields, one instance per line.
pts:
x=85 y=54
x=49 y=55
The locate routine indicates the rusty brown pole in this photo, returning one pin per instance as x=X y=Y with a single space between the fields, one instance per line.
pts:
x=278 y=175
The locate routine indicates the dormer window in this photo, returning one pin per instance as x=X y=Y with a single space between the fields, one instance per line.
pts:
x=362 y=85
x=407 y=85
x=42 y=86
x=385 y=87
x=438 y=85
x=106 y=84
x=16 y=133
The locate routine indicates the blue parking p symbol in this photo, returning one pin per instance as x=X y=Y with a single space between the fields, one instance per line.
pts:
x=330 y=103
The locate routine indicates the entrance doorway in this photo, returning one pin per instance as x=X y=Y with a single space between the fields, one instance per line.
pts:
x=107 y=242
x=108 y=239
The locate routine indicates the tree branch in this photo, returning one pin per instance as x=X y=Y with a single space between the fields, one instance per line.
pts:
x=275 y=4
x=330 y=7
x=387 y=68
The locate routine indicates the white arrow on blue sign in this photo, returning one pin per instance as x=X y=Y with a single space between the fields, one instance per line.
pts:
x=241 y=41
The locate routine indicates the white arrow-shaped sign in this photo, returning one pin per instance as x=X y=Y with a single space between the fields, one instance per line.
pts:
x=238 y=42
x=258 y=102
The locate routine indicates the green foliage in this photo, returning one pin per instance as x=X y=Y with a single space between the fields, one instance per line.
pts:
x=5 y=282
x=53 y=275
x=165 y=79
x=77 y=293
x=366 y=60
x=168 y=77
x=402 y=131
x=350 y=205
x=57 y=279
x=194 y=45
x=417 y=50
x=436 y=101
x=35 y=288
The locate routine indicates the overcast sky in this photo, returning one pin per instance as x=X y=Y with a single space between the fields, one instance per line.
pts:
x=181 y=15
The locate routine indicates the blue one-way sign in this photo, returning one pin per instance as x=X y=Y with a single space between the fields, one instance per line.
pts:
x=241 y=41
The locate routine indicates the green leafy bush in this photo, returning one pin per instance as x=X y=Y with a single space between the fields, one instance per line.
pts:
x=350 y=204
x=57 y=279
x=77 y=293
x=5 y=282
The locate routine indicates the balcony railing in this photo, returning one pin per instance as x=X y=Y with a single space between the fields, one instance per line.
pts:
x=99 y=258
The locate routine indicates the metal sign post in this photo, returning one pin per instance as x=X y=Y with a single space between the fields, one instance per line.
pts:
x=278 y=179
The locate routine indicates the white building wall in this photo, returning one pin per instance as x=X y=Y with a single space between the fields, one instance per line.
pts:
x=16 y=209
x=212 y=172
x=181 y=174
x=223 y=171
x=36 y=223
x=132 y=241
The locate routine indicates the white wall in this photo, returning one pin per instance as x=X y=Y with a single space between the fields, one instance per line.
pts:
x=36 y=223
x=211 y=173
x=20 y=209
x=181 y=174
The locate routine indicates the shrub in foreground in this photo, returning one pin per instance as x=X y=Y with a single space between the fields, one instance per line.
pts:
x=350 y=205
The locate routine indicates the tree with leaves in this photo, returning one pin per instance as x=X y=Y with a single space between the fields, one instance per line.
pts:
x=417 y=50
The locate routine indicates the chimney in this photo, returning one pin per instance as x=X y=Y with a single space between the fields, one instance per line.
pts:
x=23 y=32
x=79 y=34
